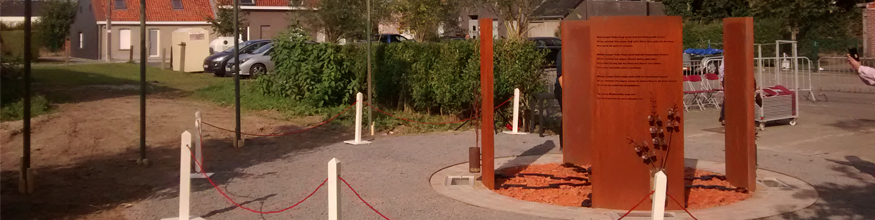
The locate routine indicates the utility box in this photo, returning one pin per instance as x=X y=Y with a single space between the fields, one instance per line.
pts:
x=190 y=57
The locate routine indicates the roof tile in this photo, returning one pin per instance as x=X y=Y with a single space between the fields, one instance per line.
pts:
x=156 y=10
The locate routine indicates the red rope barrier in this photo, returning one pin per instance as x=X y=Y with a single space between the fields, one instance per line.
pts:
x=360 y=198
x=248 y=209
x=636 y=205
x=682 y=206
x=287 y=133
x=435 y=123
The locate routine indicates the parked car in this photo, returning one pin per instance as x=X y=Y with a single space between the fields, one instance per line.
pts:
x=552 y=45
x=216 y=63
x=453 y=38
x=256 y=63
x=390 y=38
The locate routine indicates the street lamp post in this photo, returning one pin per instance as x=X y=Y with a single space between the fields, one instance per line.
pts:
x=370 y=94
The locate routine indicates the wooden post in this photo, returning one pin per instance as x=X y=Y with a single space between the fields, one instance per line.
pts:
x=182 y=57
x=333 y=189
x=185 y=179
x=359 y=102
x=739 y=85
x=515 y=129
x=659 y=187
x=198 y=155
x=67 y=51
x=163 y=61
x=486 y=88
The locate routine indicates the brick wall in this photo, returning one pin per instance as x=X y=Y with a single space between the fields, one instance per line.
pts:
x=869 y=30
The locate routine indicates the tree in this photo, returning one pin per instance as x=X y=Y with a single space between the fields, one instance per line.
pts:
x=797 y=14
x=707 y=11
x=348 y=19
x=223 y=23
x=55 y=23
x=516 y=14
x=423 y=17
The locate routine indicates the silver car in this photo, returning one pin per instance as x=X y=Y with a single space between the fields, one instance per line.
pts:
x=256 y=63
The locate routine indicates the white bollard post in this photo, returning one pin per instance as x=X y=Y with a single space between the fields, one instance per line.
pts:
x=659 y=186
x=333 y=189
x=358 y=122
x=184 y=179
x=516 y=113
x=198 y=150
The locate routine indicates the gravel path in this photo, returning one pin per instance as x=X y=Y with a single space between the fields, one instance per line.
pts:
x=830 y=148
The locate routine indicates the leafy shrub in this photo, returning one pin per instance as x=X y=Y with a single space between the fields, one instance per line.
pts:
x=697 y=34
x=15 y=110
x=13 y=43
x=317 y=74
x=427 y=77
x=12 y=91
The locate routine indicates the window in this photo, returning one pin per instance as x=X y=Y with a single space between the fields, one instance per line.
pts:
x=120 y=4
x=177 y=4
x=262 y=49
x=399 y=38
x=540 y=43
x=124 y=39
x=81 y=41
x=247 y=2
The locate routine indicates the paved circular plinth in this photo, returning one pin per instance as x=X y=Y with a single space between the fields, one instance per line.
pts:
x=776 y=193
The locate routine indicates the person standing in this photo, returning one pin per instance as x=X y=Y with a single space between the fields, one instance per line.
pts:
x=723 y=103
x=557 y=91
x=867 y=74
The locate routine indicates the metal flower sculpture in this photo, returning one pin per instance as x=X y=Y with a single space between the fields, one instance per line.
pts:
x=661 y=131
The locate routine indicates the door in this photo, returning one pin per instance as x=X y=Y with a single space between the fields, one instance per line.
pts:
x=495 y=28
x=153 y=43
x=265 y=32
x=472 y=26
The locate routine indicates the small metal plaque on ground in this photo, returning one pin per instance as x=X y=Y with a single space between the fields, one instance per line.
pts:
x=460 y=180
x=773 y=183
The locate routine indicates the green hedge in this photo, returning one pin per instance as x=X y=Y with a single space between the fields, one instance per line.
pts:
x=13 y=43
x=697 y=34
x=427 y=77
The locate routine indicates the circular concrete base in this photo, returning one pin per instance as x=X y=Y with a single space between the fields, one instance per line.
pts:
x=776 y=193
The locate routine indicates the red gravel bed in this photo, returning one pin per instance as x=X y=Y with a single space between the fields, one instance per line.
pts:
x=530 y=183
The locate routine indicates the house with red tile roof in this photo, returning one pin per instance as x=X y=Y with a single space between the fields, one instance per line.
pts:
x=90 y=30
x=88 y=34
x=268 y=18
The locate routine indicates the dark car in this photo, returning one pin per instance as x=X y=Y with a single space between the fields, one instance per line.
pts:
x=552 y=45
x=390 y=38
x=216 y=63
x=453 y=38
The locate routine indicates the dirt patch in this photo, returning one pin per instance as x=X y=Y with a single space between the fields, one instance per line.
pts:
x=569 y=186
x=84 y=153
x=706 y=189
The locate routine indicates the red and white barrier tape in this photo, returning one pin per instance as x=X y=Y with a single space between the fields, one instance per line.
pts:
x=360 y=198
x=287 y=133
x=436 y=123
x=636 y=205
x=249 y=209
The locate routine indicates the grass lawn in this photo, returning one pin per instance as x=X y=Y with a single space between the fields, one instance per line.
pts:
x=54 y=82
x=119 y=74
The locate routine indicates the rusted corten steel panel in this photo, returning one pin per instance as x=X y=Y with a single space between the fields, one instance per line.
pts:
x=739 y=89
x=487 y=136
